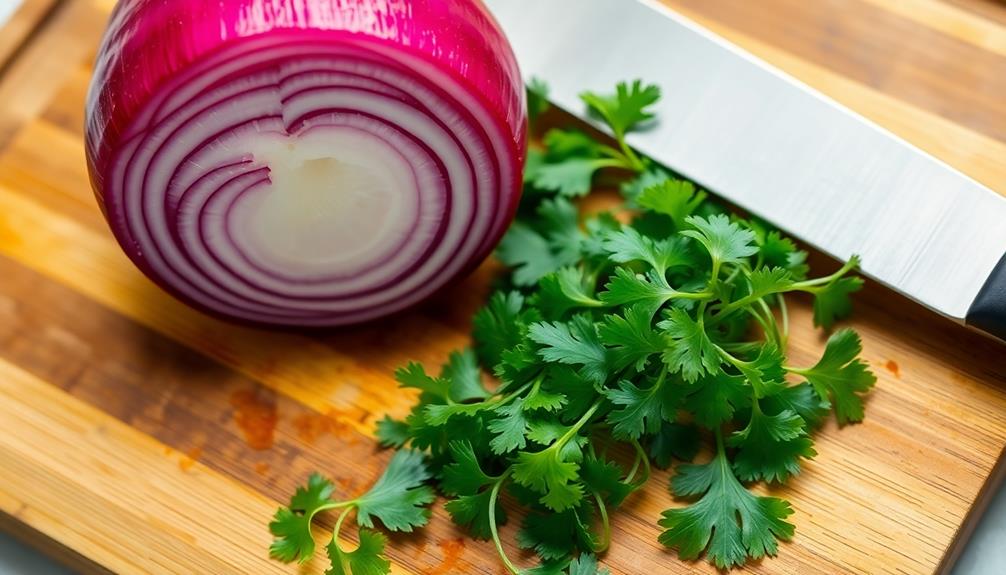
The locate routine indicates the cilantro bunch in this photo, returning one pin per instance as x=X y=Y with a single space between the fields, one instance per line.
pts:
x=623 y=340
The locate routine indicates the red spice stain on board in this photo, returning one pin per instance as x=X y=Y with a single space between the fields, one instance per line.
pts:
x=262 y=468
x=892 y=366
x=311 y=425
x=190 y=458
x=453 y=550
x=255 y=413
x=168 y=450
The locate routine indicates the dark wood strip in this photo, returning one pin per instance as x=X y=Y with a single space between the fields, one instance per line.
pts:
x=994 y=10
x=861 y=41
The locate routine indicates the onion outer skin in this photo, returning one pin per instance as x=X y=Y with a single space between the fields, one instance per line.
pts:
x=167 y=70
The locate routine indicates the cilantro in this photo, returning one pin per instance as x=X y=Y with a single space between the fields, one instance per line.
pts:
x=537 y=99
x=586 y=564
x=367 y=559
x=627 y=108
x=726 y=241
x=729 y=522
x=677 y=199
x=840 y=376
x=573 y=343
x=619 y=340
x=690 y=351
x=398 y=499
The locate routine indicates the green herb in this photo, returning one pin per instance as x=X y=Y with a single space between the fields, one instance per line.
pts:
x=622 y=340
x=398 y=500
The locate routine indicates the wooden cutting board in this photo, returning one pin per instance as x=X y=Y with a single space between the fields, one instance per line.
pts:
x=139 y=436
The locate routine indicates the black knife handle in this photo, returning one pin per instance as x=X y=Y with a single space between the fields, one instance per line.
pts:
x=988 y=311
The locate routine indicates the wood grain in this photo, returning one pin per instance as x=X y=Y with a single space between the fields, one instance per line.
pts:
x=132 y=410
x=28 y=18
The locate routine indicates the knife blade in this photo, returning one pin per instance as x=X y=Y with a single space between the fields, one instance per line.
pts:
x=778 y=149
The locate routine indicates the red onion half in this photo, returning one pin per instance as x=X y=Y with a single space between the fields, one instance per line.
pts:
x=305 y=162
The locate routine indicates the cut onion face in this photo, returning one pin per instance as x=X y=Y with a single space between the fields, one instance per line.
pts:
x=310 y=172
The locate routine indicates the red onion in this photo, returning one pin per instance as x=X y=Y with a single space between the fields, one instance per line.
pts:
x=305 y=162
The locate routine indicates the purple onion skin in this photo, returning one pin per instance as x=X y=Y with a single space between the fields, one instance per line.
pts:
x=149 y=43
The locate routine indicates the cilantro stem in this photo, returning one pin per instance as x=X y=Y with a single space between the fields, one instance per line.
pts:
x=640 y=457
x=605 y=526
x=770 y=319
x=338 y=526
x=816 y=284
x=785 y=319
x=577 y=426
x=493 y=528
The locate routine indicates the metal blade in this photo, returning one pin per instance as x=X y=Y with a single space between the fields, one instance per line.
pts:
x=772 y=145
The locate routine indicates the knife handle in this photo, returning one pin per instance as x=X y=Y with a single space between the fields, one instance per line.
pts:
x=988 y=311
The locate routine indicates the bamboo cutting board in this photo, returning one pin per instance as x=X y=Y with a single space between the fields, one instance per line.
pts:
x=139 y=436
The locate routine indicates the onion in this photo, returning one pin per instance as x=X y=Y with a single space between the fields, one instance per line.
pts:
x=305 y=162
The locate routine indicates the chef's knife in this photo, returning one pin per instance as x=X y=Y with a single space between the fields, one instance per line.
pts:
x=779 y=149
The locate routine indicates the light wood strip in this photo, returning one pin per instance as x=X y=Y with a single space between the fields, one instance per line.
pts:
x=950 y=20
x=31 y=82
x=15 y=31
x=121 y=500
x=977 y=155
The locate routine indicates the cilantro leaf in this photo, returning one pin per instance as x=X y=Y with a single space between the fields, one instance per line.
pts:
x=464 y=377
x=641 y=411
x=464 y=475
x=586 y=564
x=392 y=433
x=564 y=290
x=399 y=497
x=537 y=99
x=767 y=281
x=414 y=376
x=626 y=109
x=633 y=188
x=770 y=447
x=548 y=473
x=726 y=241
x=509 y=427
x=367 y=559
x=528 y=253
x=832 y=302
x=650 y=292
x=714 y=399
x=631 y=339
x=542 y=246
x=500 y=326
x=674 y=440
x=571 y=177
x=840 y=376
x=677 y=199
x=292 y=525
x=729 y=523
x=801 y=399
x=541 y=398
x=691 y=351
x=604 y=477
x=554 y=536
x=472 y=513
x=574 y=343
